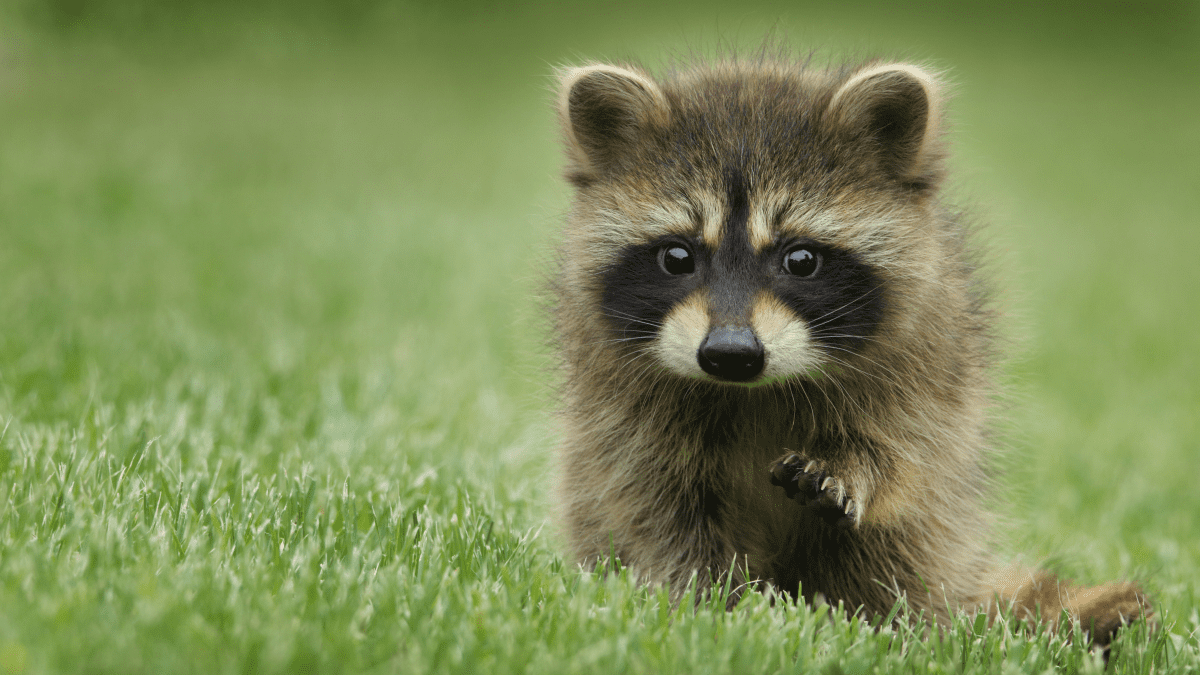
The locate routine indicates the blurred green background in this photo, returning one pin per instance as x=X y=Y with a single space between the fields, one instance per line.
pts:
x=271 y=293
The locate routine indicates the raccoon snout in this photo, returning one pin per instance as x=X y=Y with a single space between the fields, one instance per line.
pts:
x=733 y=354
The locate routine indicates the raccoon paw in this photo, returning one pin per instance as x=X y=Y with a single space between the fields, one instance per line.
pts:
x=806 y=482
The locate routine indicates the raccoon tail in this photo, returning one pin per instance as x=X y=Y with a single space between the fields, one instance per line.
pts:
x=1040 y=597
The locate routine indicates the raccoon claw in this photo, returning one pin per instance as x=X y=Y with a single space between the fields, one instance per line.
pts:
x=785 y=472
x=824 y=495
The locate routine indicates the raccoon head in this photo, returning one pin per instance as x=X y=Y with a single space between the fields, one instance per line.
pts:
x=743 y=224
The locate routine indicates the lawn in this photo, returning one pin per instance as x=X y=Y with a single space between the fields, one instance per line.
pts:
x=274 y=389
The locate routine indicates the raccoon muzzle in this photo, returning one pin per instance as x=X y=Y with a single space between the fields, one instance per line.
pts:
x=731 y=353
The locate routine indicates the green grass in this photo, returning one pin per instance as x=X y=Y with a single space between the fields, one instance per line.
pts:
x=273 y=389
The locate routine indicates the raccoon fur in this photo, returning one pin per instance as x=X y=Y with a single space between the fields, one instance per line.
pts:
x=775 y=350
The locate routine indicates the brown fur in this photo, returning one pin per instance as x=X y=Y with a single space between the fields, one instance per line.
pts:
x=671 y=471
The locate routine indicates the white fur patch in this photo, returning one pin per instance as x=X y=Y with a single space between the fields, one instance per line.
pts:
x=759 y=229
x=785 y=338
x=624 y=223
x=664 y=219
x=712 y=217
x=683 y=329
x=873 y=232
x=769 y=207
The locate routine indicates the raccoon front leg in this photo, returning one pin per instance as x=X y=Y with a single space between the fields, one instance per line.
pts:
x=809 y=483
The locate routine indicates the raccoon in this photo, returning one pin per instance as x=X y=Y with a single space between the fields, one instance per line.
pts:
x=774 y=344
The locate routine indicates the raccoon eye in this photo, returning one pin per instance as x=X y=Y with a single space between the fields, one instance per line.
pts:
x=801 y=261
x=675 y=259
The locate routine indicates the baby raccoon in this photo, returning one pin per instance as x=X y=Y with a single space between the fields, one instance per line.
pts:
x=775 y=349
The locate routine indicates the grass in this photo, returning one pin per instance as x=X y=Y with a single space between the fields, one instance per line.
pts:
x=273 y=394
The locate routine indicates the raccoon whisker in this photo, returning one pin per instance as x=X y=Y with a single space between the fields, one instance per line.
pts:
x=824 y=393
x=792 y=422
x=635 y=329
x=822 y=336
x=847 y=365
x=692 y=387
x=849 y=326
x=896 y=378
x=864 y=296
x=618 y=341
x=643 y=301
x=632 y=319
x=630 y=354
x=842 y=362
x=840 y=311
x=634 y=358
x=893 y=371
x=639 y=332
x=878 y=341
x=860 y=408
x=634 y=380
x=641 y=351
x=811 y=408
x=833 y=315
x=848 y=337
x=941 y=369
x=846 y=394
x=641 y=325
x=631 y=328
x=791 y=389
x=648 y=335
x=614 y=312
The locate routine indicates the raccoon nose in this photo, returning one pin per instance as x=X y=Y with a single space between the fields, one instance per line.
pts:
x=731 y=354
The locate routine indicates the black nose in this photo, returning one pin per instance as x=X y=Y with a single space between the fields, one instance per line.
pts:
x=731 y=354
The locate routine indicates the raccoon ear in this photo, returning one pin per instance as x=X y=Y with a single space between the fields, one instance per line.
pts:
x=604 y=109
x=896 y=108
